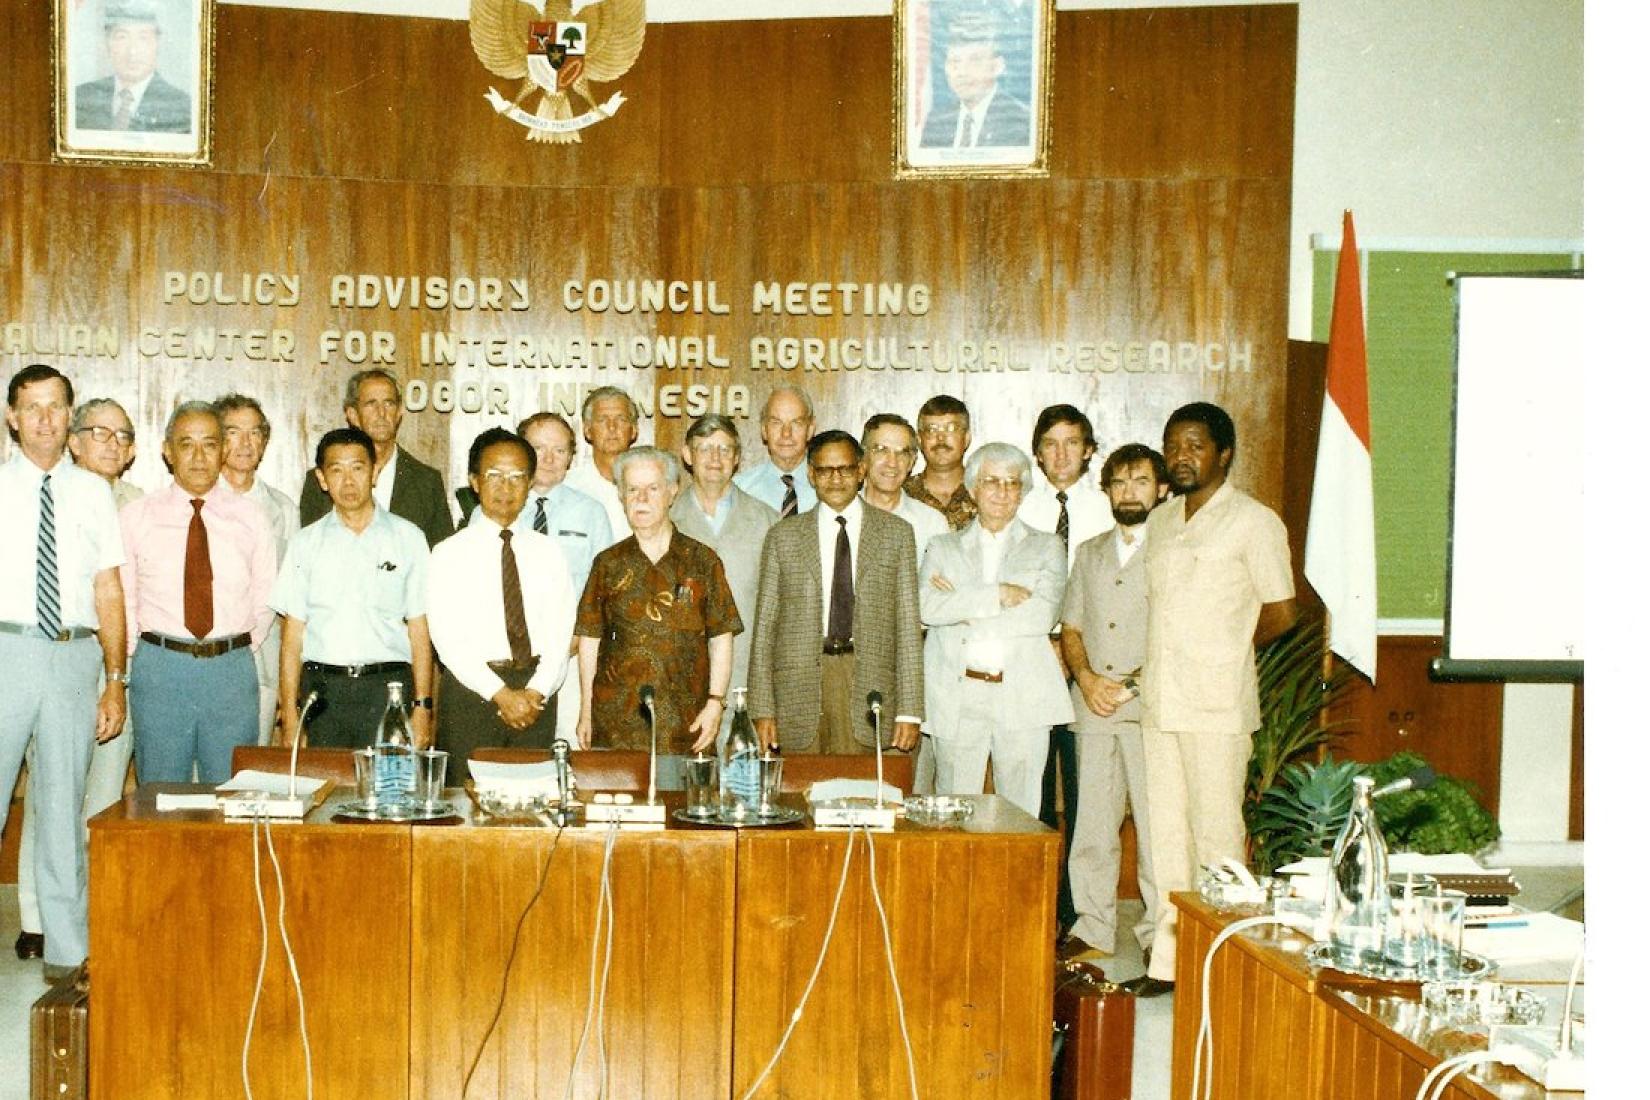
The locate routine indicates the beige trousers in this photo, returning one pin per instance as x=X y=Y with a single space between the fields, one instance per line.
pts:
x=1194 y=785
x=1111 y=779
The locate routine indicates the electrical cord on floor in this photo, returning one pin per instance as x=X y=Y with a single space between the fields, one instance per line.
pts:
x=819 y=963
x=893 y=975
x=510 y=962
x=263 y=960
x=598 y=992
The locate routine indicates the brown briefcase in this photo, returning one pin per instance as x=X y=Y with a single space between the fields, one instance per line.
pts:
x=1094 y=1035
x=57 y=1041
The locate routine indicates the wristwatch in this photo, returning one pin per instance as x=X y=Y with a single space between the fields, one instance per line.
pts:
x=118 y=677
x=427 y=702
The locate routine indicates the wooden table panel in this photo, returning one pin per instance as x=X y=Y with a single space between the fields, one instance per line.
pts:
x=174 y=956
x=667 y=1009
x=971 y=920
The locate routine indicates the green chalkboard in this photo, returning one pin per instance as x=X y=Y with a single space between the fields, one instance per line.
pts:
x=1409 y=309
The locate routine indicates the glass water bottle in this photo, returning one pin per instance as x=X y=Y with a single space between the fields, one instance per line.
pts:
x=741 y=786
x=1357 y=892
x=393 y=774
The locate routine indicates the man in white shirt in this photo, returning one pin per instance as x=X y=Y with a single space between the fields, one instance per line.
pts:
x=780 y=482
x=612 y=420
x=500 y=612
x=245 y=438
x=62 y=621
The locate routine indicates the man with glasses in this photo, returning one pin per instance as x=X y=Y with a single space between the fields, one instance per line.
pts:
x=500 y=611
x=890 y=451
x=991 y=594
x=401 y=484
x=715 y=511
x=62 y=622
x=787 y=425
x=836 y=618
x=101 y=440
x=245 y=438
x=942 y=432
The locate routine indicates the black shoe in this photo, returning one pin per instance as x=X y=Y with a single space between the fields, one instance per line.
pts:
x=31 y=945
x=1146 y=986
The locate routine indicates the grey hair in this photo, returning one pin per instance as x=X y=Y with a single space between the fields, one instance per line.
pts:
x=601 y=393
x=191 y=408
x=84 y=410
x=710 y=424
x=1004 y=454
x=352 y=388
x=230 y=402
x=667 y=462
x=797 y=391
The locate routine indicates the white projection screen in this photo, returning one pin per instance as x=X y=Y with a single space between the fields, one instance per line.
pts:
x=1514 y=601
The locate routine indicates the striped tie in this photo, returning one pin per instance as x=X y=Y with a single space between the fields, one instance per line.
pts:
x=787 y=507
x=541 y=522
x=1062 y=526
x=48 y=609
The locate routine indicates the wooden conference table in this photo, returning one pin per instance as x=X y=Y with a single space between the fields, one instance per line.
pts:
x=1282 y=1031
x=401 y=935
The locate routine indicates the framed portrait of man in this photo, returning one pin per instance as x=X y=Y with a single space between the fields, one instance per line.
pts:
x=133 y=80
x=971 y=87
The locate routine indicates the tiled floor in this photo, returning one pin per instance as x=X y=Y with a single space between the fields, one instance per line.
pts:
x=20 y=985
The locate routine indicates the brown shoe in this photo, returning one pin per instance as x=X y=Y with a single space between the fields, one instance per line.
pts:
x=1145 y=986
x=1072 y=946
x=31 y=945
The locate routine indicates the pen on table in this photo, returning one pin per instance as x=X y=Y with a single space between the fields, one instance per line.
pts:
x=1499 y=922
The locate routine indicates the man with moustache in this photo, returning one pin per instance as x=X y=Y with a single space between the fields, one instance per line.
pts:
x=351 y=595
x=401 y=484
x=245 y=438
x=942 y=431
x=715 y=511
x=200 y=564
x=1218 y=584
x=62 y=623
x=836 y=618
x=787 y=425
x=1104 y=638
x=1063 y=501
x=612 y=421
x=500 y=611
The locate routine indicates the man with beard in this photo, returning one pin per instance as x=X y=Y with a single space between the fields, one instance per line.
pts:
x=1104 y=640
x=401 y=484
x=1218 y=584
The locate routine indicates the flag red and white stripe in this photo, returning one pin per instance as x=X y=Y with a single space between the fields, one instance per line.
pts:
x=1340 y=535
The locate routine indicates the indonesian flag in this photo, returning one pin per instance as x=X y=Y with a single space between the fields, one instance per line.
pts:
x=1340 y=535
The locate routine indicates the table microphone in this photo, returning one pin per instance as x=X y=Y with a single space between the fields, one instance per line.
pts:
x=297 y=736
x=559 y=750
x=653 y=744
x=874 y=701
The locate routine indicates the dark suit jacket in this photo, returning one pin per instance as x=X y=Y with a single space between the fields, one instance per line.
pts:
x=164 y=109
x=418 y=496
x=787 y=641
x=1007 y=122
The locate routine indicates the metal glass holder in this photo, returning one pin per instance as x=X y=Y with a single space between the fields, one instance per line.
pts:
x=1468 y=967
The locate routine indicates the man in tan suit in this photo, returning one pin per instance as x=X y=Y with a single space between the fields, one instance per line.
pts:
x=836 y=617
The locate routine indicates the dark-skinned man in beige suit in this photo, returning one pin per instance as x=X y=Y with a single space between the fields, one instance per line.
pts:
x=836 y=617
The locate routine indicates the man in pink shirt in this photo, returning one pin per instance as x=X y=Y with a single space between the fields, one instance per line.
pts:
x=200 y=564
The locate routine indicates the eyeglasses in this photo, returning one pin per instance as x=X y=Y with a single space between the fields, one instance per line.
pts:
x=941 y=429
x=511 y=478
x=100 y=434
x=823 y=472
x=714 y=450
x=999 y=484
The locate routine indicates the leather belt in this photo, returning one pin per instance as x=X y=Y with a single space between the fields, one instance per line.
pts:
x=986 y=677
x=217 y=647
x=355 y=672
x=32 y=630
x=530 y=665
x=836 y=647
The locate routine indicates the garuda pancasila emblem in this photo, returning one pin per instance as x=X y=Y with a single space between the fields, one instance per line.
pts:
x=555 y=56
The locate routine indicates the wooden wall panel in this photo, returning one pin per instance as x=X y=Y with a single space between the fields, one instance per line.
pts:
x=756 y=150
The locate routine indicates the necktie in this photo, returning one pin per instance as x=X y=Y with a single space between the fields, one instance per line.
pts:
x=123 y=110
x=197 y=576
x=48 y=611
x=965 y=134
x=515 y=612
x=787 y=507
x=1062 y=526
x=541 y=522
x=842 y=587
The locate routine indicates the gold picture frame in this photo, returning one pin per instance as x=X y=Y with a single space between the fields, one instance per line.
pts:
x=971 y=87
x=132 y=81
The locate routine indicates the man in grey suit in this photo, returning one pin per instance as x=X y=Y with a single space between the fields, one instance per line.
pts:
x=836 y=617
x=1104 y=639
x=401 y=485
x=990 y=595
x=725 y=518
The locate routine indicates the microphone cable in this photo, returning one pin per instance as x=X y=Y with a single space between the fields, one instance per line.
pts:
x=1204 y=1050
x=893 y=974
x=604 y=908
x=263 y=960
x=510 y=962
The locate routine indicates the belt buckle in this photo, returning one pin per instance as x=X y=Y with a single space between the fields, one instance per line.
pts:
x=354 y=672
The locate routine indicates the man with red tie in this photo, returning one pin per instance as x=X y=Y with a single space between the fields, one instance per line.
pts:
x=200 y=565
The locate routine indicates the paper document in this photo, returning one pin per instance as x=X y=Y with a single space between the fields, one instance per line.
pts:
x=827 y=790
x=192 y=800
x=275 y=783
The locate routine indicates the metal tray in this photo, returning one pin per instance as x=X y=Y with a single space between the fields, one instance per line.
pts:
x=780 y=815
x=361 y=811
x=1320 y=956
